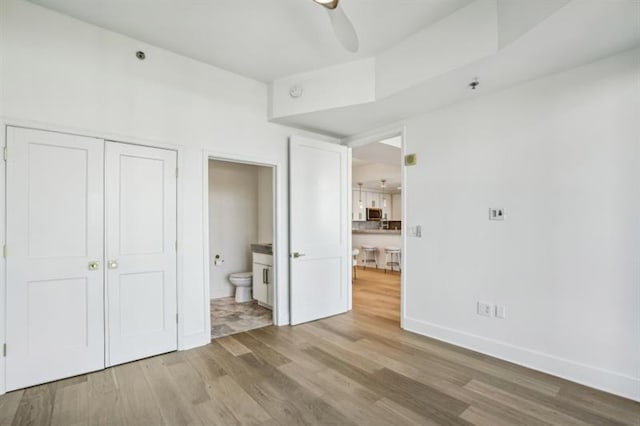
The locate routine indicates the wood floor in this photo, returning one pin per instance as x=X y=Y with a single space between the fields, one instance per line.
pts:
x=377 y=293
x=352 y=369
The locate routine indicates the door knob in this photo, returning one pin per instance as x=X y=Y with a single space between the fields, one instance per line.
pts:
x=297 y=255
x=94 y=265
x=113 y=264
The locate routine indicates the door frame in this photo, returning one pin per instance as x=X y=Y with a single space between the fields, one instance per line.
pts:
x=183 y=341
x=372 y=137
x=276 y=174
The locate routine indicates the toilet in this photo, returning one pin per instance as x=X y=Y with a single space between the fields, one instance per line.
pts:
x=242 y=281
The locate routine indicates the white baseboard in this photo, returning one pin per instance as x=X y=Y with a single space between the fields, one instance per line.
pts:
x=605 y=380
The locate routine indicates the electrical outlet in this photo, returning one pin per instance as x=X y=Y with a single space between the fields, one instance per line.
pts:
x=496 y=214
x=500 y=311
x=484 y=309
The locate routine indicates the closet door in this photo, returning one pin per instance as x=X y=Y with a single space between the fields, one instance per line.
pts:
x=55 y=310
x=140 y=251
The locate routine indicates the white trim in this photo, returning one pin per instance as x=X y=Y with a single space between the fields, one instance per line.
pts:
x=280 y=313
x=3 y=274
x=107 y=136
x=183 y=341
x=375 y=135
x=608 y=381
x=350 y=234
x=372 y=137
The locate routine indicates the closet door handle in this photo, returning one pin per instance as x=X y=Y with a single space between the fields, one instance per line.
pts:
x=113 y=264
x=264 y=276
x=94 y=265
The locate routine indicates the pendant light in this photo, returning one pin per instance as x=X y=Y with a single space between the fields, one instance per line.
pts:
x=384 y=199
x=360 y=204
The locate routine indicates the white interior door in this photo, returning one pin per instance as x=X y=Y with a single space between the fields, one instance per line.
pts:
x=140 y=251
x=319 y=229
x=55 y=309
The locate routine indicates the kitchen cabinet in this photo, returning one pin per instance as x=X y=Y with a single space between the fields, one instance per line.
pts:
x=357 y=213
x=396 y=209
x=385 y=205
x=373 y=200
x=263 y=279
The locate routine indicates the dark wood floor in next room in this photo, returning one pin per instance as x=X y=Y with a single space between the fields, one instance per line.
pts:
x=358 y=368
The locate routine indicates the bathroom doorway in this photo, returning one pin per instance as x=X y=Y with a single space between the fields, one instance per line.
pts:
x=241 y=223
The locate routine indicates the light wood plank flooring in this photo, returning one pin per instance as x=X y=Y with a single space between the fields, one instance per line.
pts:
x=356 y=368
x=377 y=293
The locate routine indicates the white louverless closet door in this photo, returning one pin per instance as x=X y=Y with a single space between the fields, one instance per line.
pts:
x=55 y=309
x=140 y=187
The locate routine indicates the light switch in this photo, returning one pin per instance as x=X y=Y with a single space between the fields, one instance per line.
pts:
x=415 y=231
x=496 y=213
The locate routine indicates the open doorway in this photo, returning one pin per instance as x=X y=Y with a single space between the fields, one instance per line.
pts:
x=241 y=234
x=377 y=228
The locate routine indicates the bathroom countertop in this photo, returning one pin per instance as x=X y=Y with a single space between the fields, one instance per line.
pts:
x=262 y=248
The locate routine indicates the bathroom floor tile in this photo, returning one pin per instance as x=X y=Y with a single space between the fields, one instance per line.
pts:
x=229 y=317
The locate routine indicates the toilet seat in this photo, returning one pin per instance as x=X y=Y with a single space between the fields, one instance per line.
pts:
x=241 y=275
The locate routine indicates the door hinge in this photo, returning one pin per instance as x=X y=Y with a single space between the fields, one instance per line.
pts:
x=176 y=317
x=5 y=153
x=4 y=350
x=4 y=251
x=177 y=173
x=176 y=245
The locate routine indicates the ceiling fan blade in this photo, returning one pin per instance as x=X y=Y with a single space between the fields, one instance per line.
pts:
x=343 y=28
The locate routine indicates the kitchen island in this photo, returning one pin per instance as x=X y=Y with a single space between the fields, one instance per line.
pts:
x=379 y=238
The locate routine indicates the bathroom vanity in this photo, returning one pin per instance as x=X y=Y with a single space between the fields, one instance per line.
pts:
x=263 y=283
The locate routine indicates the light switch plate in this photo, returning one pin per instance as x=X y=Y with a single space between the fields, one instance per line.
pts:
x=496 y=213
x=501 y=311
x=415 y=231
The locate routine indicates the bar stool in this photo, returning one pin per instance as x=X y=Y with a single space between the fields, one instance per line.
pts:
x=392 y=258
x=369 y=254
x=354 y=253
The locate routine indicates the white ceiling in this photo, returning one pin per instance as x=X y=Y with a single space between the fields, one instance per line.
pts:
x=379 y=152
x=376 y=161
x=581 y=32
x=261 y=39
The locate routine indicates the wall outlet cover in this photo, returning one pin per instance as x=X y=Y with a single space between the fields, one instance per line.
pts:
x=500 y=311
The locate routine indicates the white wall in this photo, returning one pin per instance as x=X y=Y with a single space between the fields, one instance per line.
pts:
x=562 y=156
x=57 y=72
x=265 y=205
x=233 y=221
